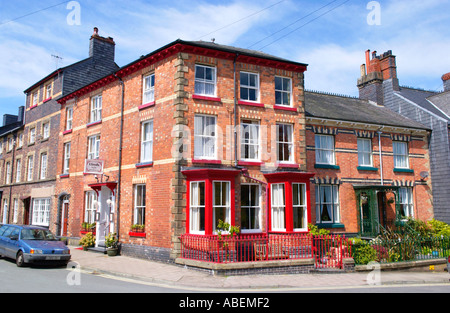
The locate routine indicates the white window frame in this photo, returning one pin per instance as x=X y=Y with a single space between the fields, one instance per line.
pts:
x=249 y=86
x=140 y=192
x=8 y=173
x=401 y=158
x=205 y=137
x=44 y=163
x=325 y=149
x=284 y=90
x=93 y=147
x=253 y=209
x=148 y=88
x=30 y=167
x=250 y=140
x=46 y=130
x=196 y=208
x=278 y=206
x=147 y=141
x=48 y=90
x=91 y=201
x=286 y=141
x=299 y=206
x=20 y=141
x=5 y=211
x=41 y=212
x=365 y=152
x=405 y=196
x=224 y=204
x=66 y=161
x=15 y=210
x=95 y=112
x=32 y=136
x=18 y=170
x=34 y=98
x=69 y=118
x=202 y=82
x=333 y=203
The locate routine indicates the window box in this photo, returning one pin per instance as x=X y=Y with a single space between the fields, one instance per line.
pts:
x=327 y=166
x=147 y=105
x=136 y=234
x=207 y=98
x=403 y=170
x=367 y=168
x=254 y=104
x=286 y=108
x=144 y=164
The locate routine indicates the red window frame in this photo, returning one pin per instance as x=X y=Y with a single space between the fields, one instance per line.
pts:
x=288 y=178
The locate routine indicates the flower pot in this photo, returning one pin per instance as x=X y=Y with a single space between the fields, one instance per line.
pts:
x=112 y=251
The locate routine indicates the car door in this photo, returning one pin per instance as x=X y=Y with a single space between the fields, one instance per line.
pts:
x=2 y=242
x=13 y=243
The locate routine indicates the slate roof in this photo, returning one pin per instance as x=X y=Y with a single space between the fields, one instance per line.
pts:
x=344 y=108
x=420 y=97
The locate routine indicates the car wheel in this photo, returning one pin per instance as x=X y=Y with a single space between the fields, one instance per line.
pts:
x=20 y=261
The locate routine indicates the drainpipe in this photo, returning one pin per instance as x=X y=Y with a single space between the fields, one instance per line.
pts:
x=235 y=111
x=381 y=160
x=119 y=178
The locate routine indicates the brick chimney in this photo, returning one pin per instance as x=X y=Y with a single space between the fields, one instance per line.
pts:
x=446 y=80
x=377 y=70
x=101 y=47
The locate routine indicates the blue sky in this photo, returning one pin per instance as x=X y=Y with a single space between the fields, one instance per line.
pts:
x=330 y=36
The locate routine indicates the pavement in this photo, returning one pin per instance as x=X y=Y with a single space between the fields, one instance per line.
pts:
x=176 y=276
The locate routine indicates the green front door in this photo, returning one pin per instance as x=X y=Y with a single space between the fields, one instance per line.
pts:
x=367 y=211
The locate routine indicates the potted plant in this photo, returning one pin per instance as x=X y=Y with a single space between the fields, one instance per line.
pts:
x=88 y=240
x=111 y=243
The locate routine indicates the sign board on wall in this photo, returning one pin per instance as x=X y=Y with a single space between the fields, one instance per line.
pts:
x=93 y=167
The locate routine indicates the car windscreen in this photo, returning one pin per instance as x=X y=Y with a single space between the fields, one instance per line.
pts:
x=36 y=234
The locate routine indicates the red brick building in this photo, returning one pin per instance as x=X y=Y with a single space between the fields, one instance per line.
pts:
x=197 y=132
x=371 y=165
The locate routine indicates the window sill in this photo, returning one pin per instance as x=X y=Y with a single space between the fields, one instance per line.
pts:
x=330 y=225
x=64 y=175
x=69 y=131
x=146 y=105
x=403 y=170
x=207 y=98
x=286 y=108
x=327 y=166
x=136 y=234
x=144 y=164
x=290 y=165
x=207 y=161
x=94 y=123
x=367 y=168
x=47 y=100
x=252 y=104
x=250 y=163
x=32 y=106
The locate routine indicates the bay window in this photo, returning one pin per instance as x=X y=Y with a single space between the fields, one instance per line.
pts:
x=327 y=204
x=299 y=206
x=250 y=208
x=197 y=208
x=278 y=207
x=221 y=202
x=90 y=206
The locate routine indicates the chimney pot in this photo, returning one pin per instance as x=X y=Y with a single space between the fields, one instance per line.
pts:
x=95 y=31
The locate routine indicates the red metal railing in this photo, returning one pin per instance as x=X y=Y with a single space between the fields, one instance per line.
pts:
x=328 y=251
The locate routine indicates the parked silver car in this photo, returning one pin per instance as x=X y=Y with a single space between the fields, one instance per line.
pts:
x=29 y=244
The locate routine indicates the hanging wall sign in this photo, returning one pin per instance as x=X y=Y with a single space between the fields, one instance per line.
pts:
x=93 y=167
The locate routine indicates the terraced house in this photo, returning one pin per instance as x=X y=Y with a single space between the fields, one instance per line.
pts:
x=197 y=132
x=29 y=173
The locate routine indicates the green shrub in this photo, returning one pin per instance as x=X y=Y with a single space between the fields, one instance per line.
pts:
x=314 y=230
x=439 y=228
x=362 y=252
x=87 y=240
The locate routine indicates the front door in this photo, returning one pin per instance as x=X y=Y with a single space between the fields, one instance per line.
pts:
x=368 y=212
x=105 y=222
x=64 y=219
